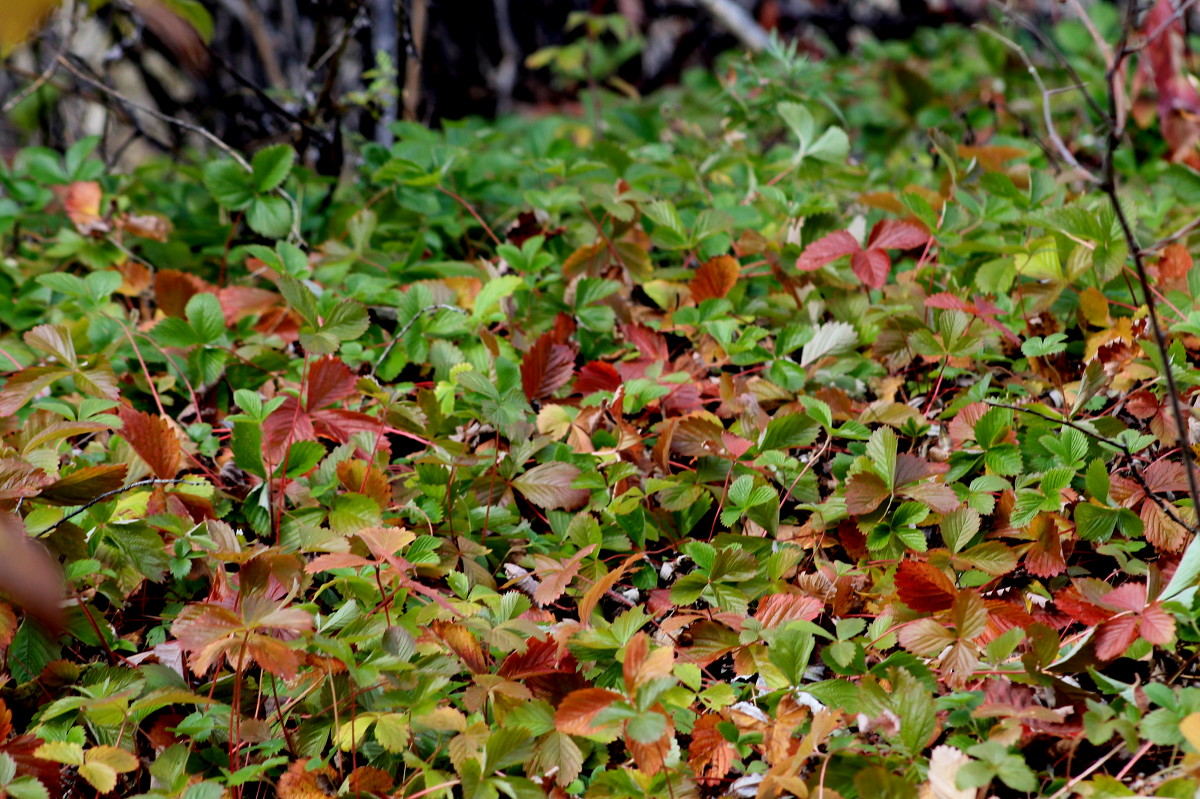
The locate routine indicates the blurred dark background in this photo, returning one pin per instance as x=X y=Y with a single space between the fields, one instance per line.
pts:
x=317 y=72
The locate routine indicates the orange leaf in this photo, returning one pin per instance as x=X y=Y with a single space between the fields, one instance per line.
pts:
x=710 y=755
x=715 y=278
x=604 y=584
x=575 y=713
x=84 y=485
x=923 y=587
x=556 y=576
x=81 y=201
x=777 y=609
x=153 y=439
x=462 y=643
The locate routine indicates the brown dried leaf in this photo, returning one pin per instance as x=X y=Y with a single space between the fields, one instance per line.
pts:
x=715 y=278
x=153 y=439
x=84 y=485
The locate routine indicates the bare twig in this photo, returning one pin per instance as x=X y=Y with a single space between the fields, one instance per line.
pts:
x=1060 y=146
x=400 y=333
x=1110 y=187
x=1160 y=30
x=50 y=69
x=108 y=494
x=208 y=135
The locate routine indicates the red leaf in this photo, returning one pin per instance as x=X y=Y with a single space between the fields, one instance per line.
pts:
x=597 y=376
x=546 y=367
x=173 y=289
x=872 y=267
x=339 y=425
x=897 y=234
x=556 y=576
x=564 y=328
x=28 y=575
x=329 y=381
x=777 y=609
x=946 y=301
x=541 y=657
x=1114 y=636
x=1044 y=557
x=287 y=423
x=1157 y=626
x=1071 y=602
x=650 y=344
x=574 y=716
x=736 y=445
x=153 y=439
x=923 y=587
x=826 y=250
x=715 y=278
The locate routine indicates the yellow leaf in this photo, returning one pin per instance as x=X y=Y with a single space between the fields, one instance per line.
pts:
x=1190 y=727
x=70 y=754
x=19 y=19
x=1094 y=306
x=100 y=776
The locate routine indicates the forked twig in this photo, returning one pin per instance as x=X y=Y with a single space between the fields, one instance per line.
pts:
x=211 y=137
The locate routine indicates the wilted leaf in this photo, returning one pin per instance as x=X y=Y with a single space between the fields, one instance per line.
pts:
x=152 y=438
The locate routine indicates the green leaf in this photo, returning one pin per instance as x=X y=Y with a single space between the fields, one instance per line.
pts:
x=492 y=292
x=347 y=321
x=30 y=651
x=1094 y=523
x=959 y=526
x=1097 y=482
x=271 y=166
x=1187 y=573
x=881 y=450
x=391 y=731
x=204 y=313
x=269 y=216
x=787 y=432
x=229 y=184
x=175 y=332
x=913 y=703
x=646 y=727
x=300 y=298
x=791 y=650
